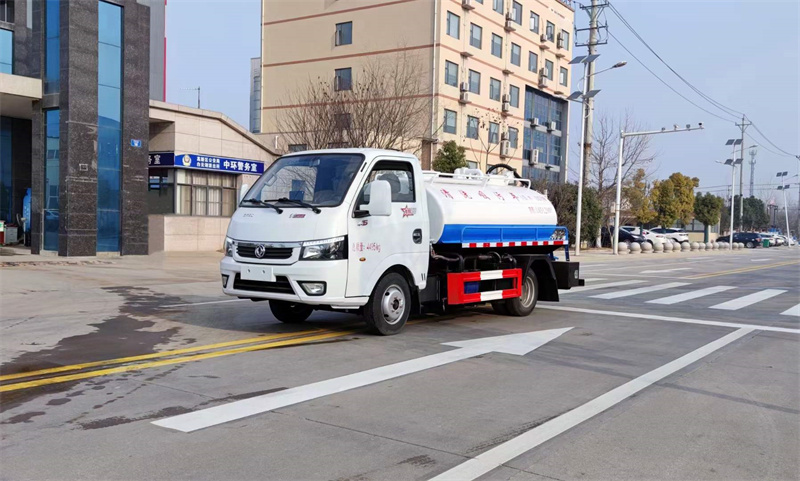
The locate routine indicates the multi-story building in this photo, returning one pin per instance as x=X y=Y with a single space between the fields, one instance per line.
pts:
x=497 y=71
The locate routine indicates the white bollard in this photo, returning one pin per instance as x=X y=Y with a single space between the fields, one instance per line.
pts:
x=658 y=247
x=636 y=248
x=668 y=247
x=709 y=246
x=684 y=246
x=693 y=246
x=622 y=248
x=647 y=248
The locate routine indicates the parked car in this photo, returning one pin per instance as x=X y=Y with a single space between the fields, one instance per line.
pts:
x=780 y=240
x=769 y=237
x=649 y=236
x=675 y=235
x=751 y=240
x=624 y=236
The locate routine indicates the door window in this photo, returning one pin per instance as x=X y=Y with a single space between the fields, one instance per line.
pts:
x=400 y=176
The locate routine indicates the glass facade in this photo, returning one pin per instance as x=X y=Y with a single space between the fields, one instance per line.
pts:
x=51 y=178
x=109 y=133
x=6 y=51
x=52 y=54
x=5 y=170
x=549 y=142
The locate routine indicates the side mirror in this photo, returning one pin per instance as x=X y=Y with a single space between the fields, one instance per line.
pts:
x=380 y=198
x=242 y=191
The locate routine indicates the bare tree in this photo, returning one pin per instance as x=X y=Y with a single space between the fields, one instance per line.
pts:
x=385 y=105
x=482 y=147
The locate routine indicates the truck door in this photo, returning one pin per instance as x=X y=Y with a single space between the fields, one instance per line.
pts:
x=377 y=243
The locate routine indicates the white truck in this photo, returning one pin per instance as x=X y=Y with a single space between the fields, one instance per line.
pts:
x=368 y=231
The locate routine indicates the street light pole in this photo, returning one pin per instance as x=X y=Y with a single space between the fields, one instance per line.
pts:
x=784 y=188
x=622 y=136
x=733 y=194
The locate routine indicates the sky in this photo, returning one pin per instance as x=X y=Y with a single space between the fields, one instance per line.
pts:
x=745 y=55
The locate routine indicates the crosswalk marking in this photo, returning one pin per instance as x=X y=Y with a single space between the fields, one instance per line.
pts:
x=594 y=279
x=640 y=290
x=600 y=286
x=736 y=304
x=658 y=271
x=687 y=296
x=792 y=311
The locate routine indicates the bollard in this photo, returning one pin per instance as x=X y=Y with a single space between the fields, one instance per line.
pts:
x=709 y=246
x=701 y=246
x=684 y=246
x=667 y=247
x=715 y=246
x=636 y=248
x=658 y=247
x=647 y=248
x=693 y=246
x=622 y=248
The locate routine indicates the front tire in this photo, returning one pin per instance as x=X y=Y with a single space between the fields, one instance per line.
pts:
x=749 y=245
x=290 y=312
x=523 y=305
x=389 y=305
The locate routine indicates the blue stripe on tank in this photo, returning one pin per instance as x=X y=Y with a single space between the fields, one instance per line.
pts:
x=466 y=233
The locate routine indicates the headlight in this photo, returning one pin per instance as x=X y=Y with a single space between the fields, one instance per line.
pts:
x=229 y=247
x=325 y=250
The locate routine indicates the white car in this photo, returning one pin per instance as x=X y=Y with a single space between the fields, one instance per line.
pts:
x=650 y=236
x=675 y=235
x=770 y=238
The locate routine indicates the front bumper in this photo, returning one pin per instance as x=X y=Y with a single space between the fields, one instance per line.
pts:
x=332 y=273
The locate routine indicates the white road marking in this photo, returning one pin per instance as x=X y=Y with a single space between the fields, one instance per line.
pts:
x=792 y=311
x=518 y=344
x=202 y=303
x=515 y=447
x=760 y=260
x=736 y=304
x=702 y=322
x=686 y=296
x=667 y=270
x=600 y=286
x=641 y=290
x=594 y=279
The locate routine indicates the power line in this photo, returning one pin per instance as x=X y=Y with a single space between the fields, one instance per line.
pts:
x=771 y=142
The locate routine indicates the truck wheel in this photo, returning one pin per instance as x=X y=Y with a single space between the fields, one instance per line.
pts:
x=500 y=307
x=523 y=305
x=389 y=305
x=290 y=312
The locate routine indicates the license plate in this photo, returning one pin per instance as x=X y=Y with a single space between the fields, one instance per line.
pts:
x=256 y=273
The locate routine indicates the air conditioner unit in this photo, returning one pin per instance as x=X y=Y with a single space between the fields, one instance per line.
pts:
x=464 y=98
x=536 y=122
x=504 y=148
x=506 y=98
x=467 y=4
x=509 y=24
x=534 y=158
x=464 y=87
x=506 y=107
x=559 y=41
x=504 y=136
x=542 y=82
x=551 y=126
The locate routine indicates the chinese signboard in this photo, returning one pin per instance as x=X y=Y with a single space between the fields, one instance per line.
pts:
x=205 y=162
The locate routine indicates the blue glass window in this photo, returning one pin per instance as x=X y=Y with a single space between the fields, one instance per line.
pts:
x=52 y=53
x=5 y=169
x=109 y=133
x=344 y=33
x=6 y=51
x=52 y=179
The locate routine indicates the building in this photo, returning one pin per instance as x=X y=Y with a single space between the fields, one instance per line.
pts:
x=255 y=95
x=158 y=49
x=496 y=72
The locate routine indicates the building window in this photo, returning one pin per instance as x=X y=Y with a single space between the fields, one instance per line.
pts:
x=550 y=32
x=513 y=94
x=472 y=127
x=453 y=24
x=516 y=13
x=344 y=33
x=6 y=51
x=516 y=53
x=497 y=5
x=474 y=82
x=513 y=136
x=494 y=132
x=109 y=131
x=534 y=25
x=205 y=193
x=497 y=45
x=562 y=76
x=297 y=147
x=533 y=62
x=450 y=73
x=7 y=11
x=449 y=122
x=343 y=79
x=52 y=49
x=494 y=89
x=564 y=40
x=52 y=179
x=475 y=35
x=548 y=69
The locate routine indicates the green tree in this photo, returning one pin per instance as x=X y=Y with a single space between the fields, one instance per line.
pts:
x=673 y=199
x=755 y=215
x=564 y=198
x=450 y=157
x=707 y=209
x=637 y=194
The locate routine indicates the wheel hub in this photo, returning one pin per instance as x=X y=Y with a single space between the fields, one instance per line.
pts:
x=393 y=304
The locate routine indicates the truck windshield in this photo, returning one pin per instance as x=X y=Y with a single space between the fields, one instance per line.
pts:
x=316 y=179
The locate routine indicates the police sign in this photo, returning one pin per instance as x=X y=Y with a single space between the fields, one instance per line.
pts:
x=205 y=162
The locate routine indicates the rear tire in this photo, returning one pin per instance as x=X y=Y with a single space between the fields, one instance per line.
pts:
x=500 y=308
x=523 y=305
x=389 y=305
x=290 y=312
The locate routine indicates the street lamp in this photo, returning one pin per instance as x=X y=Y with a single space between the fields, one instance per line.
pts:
x=784 y=188
x=733 y=163
x=583 y=97
x=733 y=143
x=622 y=136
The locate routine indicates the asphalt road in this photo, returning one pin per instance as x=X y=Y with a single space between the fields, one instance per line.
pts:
x=664 y=366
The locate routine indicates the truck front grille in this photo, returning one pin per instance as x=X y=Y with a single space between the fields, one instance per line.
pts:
x=246 y=249
x=280 y=286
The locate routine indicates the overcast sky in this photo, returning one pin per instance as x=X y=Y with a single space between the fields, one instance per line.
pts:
x=743 y=54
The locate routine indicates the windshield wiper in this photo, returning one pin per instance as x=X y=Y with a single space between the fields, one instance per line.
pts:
x=301 y=204
x=265 y=204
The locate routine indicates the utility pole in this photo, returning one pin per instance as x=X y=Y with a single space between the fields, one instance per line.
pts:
x=743 y=126
x=752 y=170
